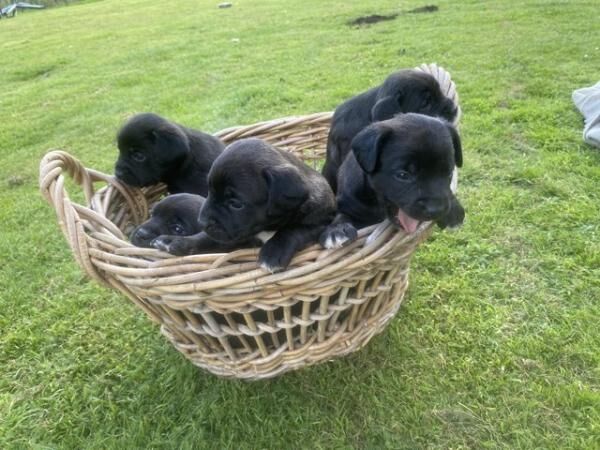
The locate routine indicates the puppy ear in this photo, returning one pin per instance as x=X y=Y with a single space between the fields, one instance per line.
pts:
x=366 y=146
x=171 y=141
x=287 y=190
x=386 y=108
x=458 y=159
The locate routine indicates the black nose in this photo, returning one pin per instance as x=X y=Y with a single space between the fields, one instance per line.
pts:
x=119 y=173
x=143 y=234
x=432 y=207
x=141 y=237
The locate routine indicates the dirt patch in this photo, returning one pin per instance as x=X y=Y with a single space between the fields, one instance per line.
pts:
x=374 y=18
x=15 y=181
x=424 y=9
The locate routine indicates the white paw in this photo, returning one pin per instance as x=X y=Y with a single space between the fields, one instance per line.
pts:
x=161 y=244
x=336 y=241
x=268 y=268
x=264 y=236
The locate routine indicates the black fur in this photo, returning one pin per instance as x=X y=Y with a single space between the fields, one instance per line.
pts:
x=397 y=168
x=173 y=215
x=153 y=149
x=402 y=92
x=255 y=187
x=173 y=224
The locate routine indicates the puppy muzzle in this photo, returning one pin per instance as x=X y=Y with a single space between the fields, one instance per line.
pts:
x=142 y=237
x=127 y=177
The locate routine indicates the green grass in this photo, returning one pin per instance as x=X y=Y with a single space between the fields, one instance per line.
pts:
x=498 y=343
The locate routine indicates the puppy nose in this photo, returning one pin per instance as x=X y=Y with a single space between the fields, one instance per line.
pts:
x=432 y=207
x=119 y=172
x=142 y=233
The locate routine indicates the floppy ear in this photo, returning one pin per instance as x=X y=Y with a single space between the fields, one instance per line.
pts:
x=287 y=190
x=458 y=159
x=172 y=142
x=386 y=108
x=366 y=146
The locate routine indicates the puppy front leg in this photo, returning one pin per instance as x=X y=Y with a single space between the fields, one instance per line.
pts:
x=276 y=254
x=339 y=233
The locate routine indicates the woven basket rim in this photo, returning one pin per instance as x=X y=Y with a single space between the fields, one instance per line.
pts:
x=235 y=273
x=311 y=263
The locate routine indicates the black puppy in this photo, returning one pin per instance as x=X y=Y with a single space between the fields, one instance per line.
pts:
x=174 y=215
x=256 y=188
x=153 y=150
x=400 y=169
x=402 y=92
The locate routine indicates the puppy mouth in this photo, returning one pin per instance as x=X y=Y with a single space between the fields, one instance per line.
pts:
x=144 y=242
x=128 y=178
x=408 y=223
x=132 y=179
x=401 y=218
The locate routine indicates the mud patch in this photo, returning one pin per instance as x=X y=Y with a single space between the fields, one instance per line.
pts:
x=15 y=181
x=424 y=9
x=376 y=18
x=368 y=20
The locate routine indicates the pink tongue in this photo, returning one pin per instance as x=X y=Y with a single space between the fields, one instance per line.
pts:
x=408 y=223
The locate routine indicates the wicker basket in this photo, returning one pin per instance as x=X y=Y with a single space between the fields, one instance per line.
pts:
x=222 y=311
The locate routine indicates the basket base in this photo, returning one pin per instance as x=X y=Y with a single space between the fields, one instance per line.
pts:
x=375 y=314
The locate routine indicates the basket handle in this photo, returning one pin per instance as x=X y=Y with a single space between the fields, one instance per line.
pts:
x=74 y=218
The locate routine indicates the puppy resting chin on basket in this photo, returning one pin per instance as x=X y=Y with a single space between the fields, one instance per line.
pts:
x=254 y=188
x=175 y=215
x=401 y=170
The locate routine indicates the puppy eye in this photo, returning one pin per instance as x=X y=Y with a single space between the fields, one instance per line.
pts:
x=234 y=203
x=402 y=175
x=175 y=228
x=138 y=157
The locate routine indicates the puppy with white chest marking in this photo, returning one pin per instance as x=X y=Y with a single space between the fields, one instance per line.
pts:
x=153 y=149
x=256 y=188
x=400 y=169
x=402 y=92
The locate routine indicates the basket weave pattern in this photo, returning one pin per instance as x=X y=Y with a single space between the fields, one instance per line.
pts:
x=222 y=311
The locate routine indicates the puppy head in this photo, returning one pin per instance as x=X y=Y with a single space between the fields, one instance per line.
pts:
x=251 y=188
x=409 y=161
x=176 y=215
x=412 y=91
x=150 y=147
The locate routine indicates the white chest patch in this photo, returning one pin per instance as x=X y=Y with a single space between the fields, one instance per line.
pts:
x=264 y=236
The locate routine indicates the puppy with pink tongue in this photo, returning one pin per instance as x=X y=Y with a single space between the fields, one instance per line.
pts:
x=400 y=169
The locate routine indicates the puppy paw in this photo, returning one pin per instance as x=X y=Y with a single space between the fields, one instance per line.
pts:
x=338 y=235
x=273 y=258
x=175 y=245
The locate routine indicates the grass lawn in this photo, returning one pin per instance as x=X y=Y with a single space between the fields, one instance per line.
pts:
x=498 y=343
